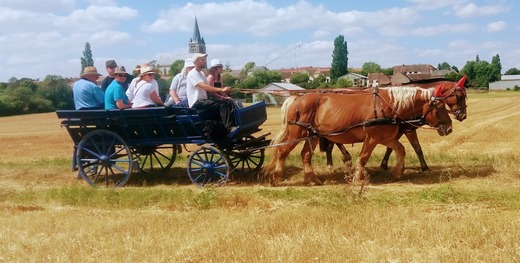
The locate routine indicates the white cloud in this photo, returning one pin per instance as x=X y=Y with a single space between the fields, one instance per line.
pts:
x=496 y=26
x=472 y=10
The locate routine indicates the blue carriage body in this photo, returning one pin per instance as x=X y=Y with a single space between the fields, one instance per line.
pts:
x=101 y=136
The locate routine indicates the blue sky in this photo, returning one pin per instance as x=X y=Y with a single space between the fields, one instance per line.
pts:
x=41 y=38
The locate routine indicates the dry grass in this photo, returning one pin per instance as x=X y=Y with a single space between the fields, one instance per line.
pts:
x=467 y=209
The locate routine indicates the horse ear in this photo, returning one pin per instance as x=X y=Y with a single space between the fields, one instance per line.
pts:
x=461 y=82
x=438 y=91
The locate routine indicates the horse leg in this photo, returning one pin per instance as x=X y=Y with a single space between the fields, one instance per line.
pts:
x=328 y=152
x=347 y=158
x=366 y=150
x=384 y=162
x=306 y=154
x=283 y=152
x=400 y=153
x=414 y=141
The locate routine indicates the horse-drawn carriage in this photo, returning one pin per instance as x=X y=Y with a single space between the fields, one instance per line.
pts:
x=111 y=144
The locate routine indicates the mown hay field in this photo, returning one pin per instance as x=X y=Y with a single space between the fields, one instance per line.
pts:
x=466 y=209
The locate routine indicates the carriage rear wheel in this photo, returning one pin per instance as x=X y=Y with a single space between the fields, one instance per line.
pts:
x=208 y=166
x=247 y=160
x=104 y=159
x=155 y=158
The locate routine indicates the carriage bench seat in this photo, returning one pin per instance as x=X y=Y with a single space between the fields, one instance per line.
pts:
x=83 y=117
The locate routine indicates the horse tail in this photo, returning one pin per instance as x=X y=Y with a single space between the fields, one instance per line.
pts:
x=281 y=136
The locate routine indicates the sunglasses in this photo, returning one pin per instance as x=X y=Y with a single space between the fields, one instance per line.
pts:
x=121 y=75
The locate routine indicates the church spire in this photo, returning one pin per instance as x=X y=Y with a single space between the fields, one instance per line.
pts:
x=197 y=44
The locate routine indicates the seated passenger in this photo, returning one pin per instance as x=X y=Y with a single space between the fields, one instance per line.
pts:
x=198 y=87
x=87 y=94
x=178 y=93
x=115 y=97
x=143 y=93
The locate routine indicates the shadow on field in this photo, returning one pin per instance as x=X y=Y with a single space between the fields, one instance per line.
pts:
x=437 y=174
x=293 y=175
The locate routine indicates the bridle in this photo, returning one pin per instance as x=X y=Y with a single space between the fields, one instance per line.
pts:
x=461 y=108
x=436 y=105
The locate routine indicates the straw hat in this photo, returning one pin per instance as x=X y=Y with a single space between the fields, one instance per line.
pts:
x=90 y=71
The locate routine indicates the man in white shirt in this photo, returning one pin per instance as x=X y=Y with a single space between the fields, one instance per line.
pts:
x=198 y=88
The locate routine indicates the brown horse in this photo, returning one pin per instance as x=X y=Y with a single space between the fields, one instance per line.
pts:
x=368 y=117
x=454 y=94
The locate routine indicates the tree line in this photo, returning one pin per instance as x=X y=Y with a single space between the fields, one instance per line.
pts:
x=25 y=96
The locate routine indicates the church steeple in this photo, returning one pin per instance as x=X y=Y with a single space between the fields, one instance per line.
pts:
x=197 y=44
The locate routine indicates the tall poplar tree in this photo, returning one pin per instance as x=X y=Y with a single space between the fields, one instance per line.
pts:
x=86 y=60
x=339 y=65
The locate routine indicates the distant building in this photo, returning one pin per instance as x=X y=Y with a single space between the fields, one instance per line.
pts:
x=197 y=43
x=378 y=79
x=505 y=82
x=405 y=74
x=313 y=73
x=273 y=90
x=357 y=80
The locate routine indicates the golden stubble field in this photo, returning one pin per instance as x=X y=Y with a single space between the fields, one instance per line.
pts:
x=466 y=209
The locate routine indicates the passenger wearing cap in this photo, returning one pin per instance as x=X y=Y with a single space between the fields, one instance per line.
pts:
x=198 y=88
x=87 y=94
x=115 y=97
x=143 y=93
x=178 y=92
x=111 y=66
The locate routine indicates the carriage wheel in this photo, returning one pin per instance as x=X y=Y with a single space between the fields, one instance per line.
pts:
x=248 y=160
x=104 y=159
x=208 y=166
x=155 y=158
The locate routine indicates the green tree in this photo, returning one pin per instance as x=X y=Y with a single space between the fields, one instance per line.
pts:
x=299 y=77
x=260 y=78
x=497 y=68
x=247 y=67
x=176 y=67
x=370 y=67
x=86 y=60
x=57 y=91
x=339 y=64
x=443 y=66
x=512 y=71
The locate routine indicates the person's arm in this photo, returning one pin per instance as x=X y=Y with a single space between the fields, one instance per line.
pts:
x=211 y=80
x=121 y=105
x=173 y=89
x=156 y=99
x=210 y=88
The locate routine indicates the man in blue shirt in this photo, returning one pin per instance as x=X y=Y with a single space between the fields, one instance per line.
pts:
x=87 y=94
x=115 y=97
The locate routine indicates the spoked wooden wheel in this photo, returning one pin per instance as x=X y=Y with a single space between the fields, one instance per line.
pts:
x=104 y=159
x=155 y=158
x=249 y=159
x=208 y=166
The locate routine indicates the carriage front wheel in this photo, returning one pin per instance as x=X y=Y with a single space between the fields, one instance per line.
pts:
x=208 y=166
x=104 y=159
x=249 y=159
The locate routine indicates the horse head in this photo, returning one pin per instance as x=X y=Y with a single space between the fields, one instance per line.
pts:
x=455 y=98
x=435 y=113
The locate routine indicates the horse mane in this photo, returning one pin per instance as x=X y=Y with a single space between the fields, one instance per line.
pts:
x=403 y=97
